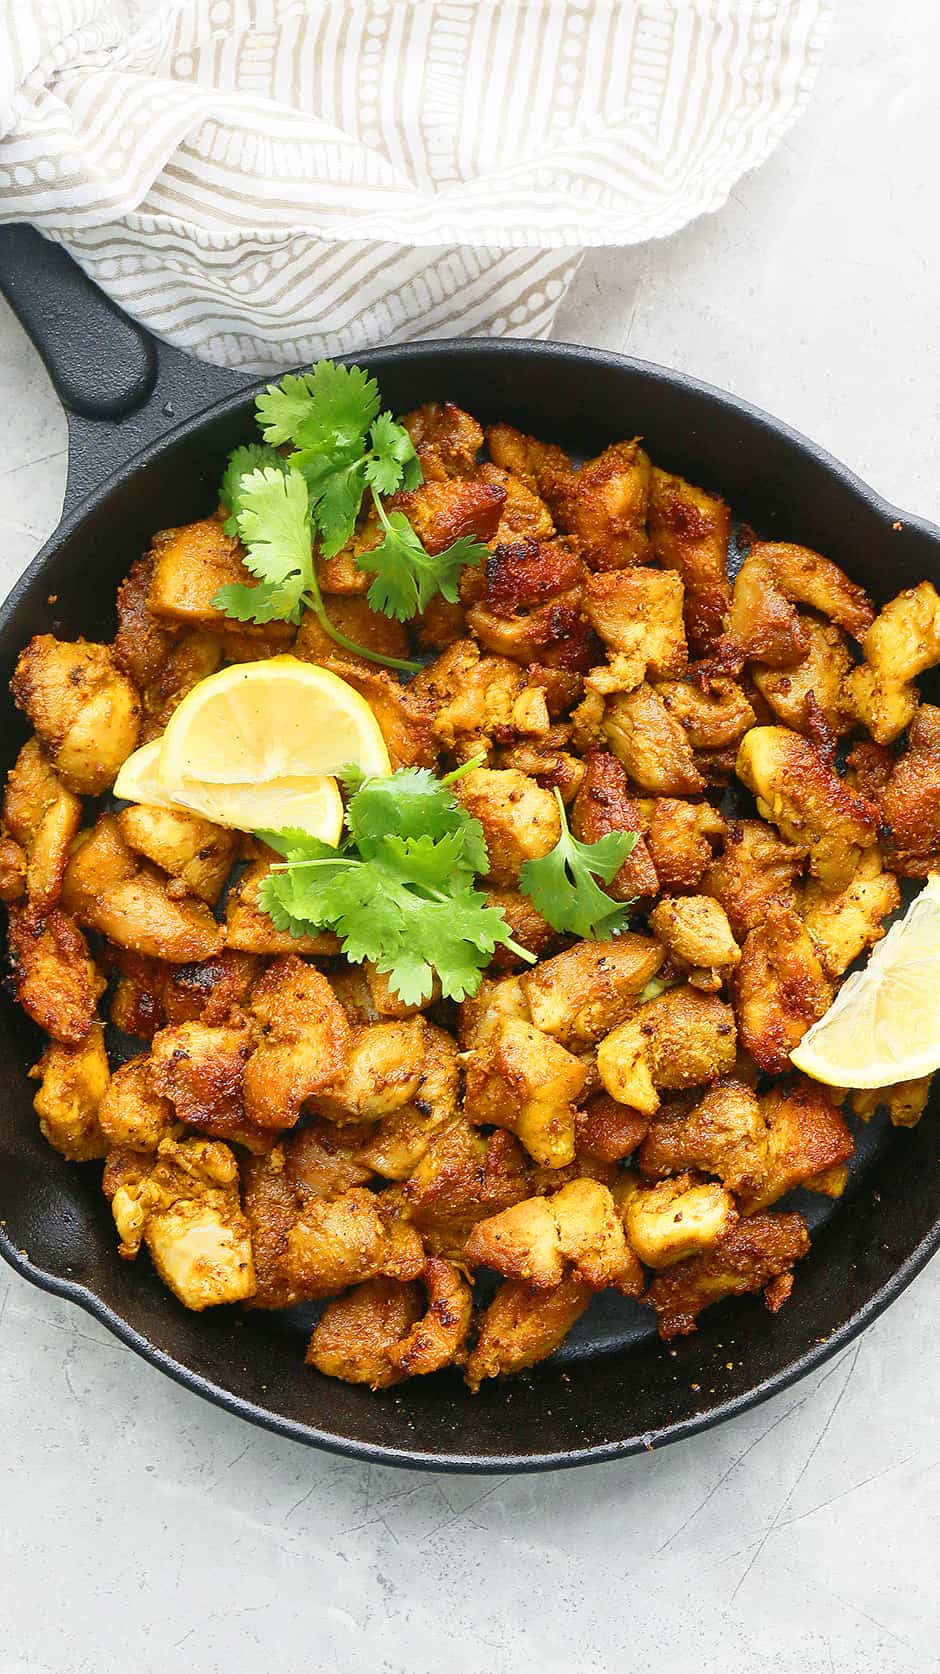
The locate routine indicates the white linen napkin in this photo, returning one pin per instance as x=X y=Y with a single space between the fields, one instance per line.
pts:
x=262 y=181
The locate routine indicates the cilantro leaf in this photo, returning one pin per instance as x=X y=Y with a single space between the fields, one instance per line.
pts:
x=561 y=884
x=264 y=603
x=394 y=463
x=411 y=804
x=274 y=524
x=406 y=576
x=343 y=401
x=336 y=484
x=254 y=457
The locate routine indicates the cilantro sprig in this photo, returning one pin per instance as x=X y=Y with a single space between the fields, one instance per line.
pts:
x=400 y=891
x=341 y=446
x=561 y=884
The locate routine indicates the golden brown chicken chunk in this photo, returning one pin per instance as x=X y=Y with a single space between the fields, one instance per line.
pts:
x=391 y=1066
x=905 y=1102
x=820 y=676
x=902 y=641
x=132 y=1113
x=675 y=1218
x=436 y=1339
x=774 y=578
x=638 y=613
x=193 y=657
x=304 y=1047
x=313 y=1163
x=780 y=989
x=529 y=598
x=142 y=645
x=651 y=743
x=583 y=993
x=537 y=464
x=603 y=804
x=679 y=836
x=683 y=1038
x=910 y=802
x=519 y=1078
x=524 y=515
x=462 y=1178
x=74 y=1082
x=713 y=714
x=141 y=915
x=443 y=512
x=200 y=1068
x=190 y=565
x=696 y=932
x=355 y=1333
x=605 y=504
x=807 y=801
x=607 y=1130
x=42 y=817
x=753 y=1254
x=479 y=701
x=341 y=1241
x=522 y=1326
x=540 y=1239
x=248 y=929
x=85 y=711
x=754 y=875
x=844 y=924
x=53 y=975
x=689 y=532
x=184 y=1206
x=194 y=851
x=355 y=618
x=520 y=820
x=12 y=871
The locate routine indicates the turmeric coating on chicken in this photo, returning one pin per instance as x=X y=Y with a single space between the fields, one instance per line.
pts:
x=278 y=1125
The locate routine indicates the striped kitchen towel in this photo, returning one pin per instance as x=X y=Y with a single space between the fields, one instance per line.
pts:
x=262 y=181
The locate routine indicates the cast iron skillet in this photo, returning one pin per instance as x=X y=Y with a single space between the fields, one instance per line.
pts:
x=149 y=429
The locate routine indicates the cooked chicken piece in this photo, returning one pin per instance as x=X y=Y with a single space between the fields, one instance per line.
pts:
x=85 y=711
x=681 y=1039
x=141 y=644
x=74 y=1083
x=805 y=798
x=712 y=717
x=775 y=577
x=780 y=989
x=137 y=1002
x=248 y=929
x=752 y=1255
x=651 y=743
x=689 y=532
x=527 y=598
x=437 y=1338
x=755 y=874
x=603 y=804
x=520 y=820
x=492 y=1001
x=210 y=990
x=608 y=1131
x=398 y=1142
x=679 y=837
x=905 y=1102
x=404 y=718
x=192 y=850
x=447 y=440
x=842 y=925
x=529 y=929
x=524 y=516
x=521 y=1079
x=185 y=1206
x=868 y=767
x=443 y=622
x=822 y=673
x=139 y=914
x=638 y=613
x=522 y=1326
x=605 y=504
x=540 y=1239
x=355 y=618
x=759 y=1149
x=902 y=641
x=462 y=1178
x=389 y=1066
x=698 y=937
x=99 y=859
x=537 y=464
x=132 y=1113
x=305 y=1044
x=43 y=817
x=674 y=1219
x=190 y=565
x=12 y=871
x=355 y=1333
x=200 y=1068
x=193 y=657
x=404 y=1133
x=582 y=994
x=343 y=1241
x=52 y=974
x=478 y=701
x=442 y=512
x=911 y=799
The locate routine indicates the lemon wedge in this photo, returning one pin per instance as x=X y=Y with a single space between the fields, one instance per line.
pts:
x=256 y=746
x=884 y=1024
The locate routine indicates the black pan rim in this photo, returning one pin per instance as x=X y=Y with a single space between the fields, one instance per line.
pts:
x=407 y=1457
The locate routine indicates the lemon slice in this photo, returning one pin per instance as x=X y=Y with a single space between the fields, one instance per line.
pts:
x=884 y=1024
x=312 y=804
x=267 y=722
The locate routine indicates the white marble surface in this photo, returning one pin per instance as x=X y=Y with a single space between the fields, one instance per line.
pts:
x=144 y=1530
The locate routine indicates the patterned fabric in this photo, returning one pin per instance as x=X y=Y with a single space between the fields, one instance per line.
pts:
x=262 y=181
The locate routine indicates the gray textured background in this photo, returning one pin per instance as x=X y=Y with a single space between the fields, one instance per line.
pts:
x=144 y=1531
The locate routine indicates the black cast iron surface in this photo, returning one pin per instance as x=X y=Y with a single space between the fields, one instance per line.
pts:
x=147 y=451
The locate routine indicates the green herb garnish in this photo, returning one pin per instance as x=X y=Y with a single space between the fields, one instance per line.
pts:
x=561 y=884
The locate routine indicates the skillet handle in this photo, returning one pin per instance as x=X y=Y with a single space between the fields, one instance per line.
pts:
x=120 y=387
